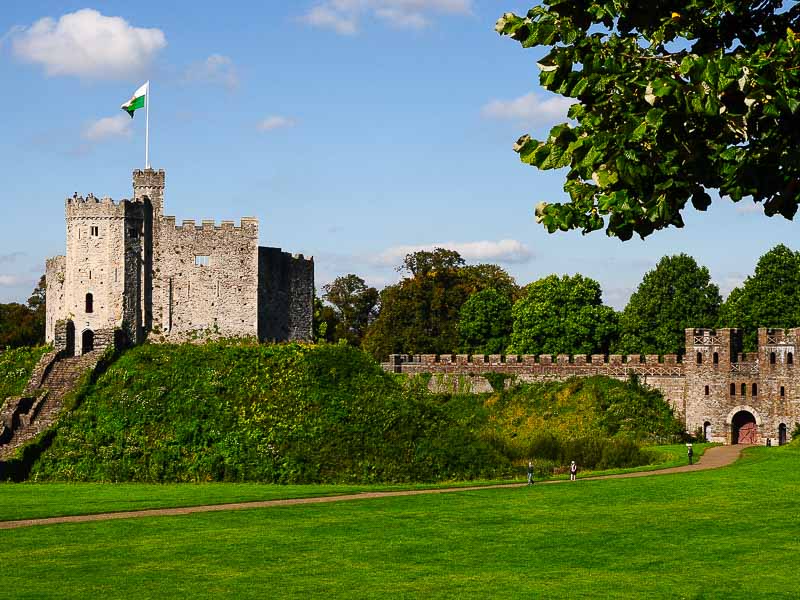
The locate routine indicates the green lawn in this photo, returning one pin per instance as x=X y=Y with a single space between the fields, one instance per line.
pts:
x=35 y=500
x=726 y=533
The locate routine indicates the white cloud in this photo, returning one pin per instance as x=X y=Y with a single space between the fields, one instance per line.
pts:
x=108 y=128
x=344 y=23
x=503 y=251
x=12 y=280
x=531 y=108
x=88 y=44
x=215 y=70
x=344 y=16
x=275 y=122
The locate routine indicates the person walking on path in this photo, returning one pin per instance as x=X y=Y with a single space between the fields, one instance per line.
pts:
x=573 y=471
x=530 y=473
x=689 y=452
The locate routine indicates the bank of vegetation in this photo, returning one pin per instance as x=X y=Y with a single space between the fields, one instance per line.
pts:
x=297 y=413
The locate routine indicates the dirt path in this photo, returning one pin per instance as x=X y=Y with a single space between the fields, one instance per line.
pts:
x=713 y=458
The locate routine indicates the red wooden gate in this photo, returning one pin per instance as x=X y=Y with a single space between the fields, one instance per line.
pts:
x=748 y=433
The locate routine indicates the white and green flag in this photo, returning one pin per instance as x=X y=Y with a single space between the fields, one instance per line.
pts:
x=139 y=99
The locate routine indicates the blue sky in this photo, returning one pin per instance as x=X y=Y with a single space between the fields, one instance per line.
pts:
x=355 y=130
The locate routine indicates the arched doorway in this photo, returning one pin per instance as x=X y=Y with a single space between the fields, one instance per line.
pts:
x=743 y=428
x=781 y=434
x=70 y=338
x=707 y=431
x=87 y=341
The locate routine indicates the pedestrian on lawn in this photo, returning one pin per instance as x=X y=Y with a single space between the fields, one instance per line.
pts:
x=573 y=471
x=530 y=473
x=689 y=452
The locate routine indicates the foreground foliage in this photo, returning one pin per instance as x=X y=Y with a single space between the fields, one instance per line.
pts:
x=672 y=99
x=237 y=412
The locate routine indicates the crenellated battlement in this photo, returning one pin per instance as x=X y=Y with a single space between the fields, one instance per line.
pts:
x=90 y=206
x=248 y=224
x=149 y=178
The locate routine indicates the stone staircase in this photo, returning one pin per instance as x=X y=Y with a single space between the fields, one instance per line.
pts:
x=24 y=417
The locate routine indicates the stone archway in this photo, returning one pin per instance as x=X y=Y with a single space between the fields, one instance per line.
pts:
x=87 y=341
x=744 y=429
x=781 y=434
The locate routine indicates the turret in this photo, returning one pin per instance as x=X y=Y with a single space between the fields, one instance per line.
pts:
x=149 y=184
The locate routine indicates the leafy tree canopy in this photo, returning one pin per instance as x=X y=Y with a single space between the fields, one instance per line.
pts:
x=484 y=324
x=768 y=298
x=673 y=98
x=675 y=295
x=22 y=325
x=355 y=305
x=562 y=315
x=420 y=314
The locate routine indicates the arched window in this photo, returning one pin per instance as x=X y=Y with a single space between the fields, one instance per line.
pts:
x=706 y=390
x=699 y=358
x=716 y=358
x=744 y=389
x=772 y=358
x=790 y=358
x=89 y=303
x=754 y=389
x=707 y=431
x=733 y=389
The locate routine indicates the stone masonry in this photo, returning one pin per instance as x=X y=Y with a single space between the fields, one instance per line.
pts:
x=131 y=273
x=714 y=388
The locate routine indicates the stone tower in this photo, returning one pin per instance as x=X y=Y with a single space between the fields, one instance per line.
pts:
x=102 y=278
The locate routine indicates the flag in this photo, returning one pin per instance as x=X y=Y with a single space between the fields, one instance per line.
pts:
x=137 y=100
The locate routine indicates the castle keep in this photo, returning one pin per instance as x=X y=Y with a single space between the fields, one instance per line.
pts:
x=131 y=273
x=714 y=388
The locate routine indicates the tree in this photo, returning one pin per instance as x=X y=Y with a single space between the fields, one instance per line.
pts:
x=484 y=324
x=562 y=315
x=38 y=304
x=420 y=314
x=768 y=298
x=355 y=305
x=324 y=322
x=18 y=326
x=673 y=98
x=675 y=295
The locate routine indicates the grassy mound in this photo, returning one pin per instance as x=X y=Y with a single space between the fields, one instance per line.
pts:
x=246 y=412
x=16 y=366
x=597 y=421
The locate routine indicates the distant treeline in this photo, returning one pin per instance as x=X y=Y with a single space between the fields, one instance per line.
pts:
x=443 y=305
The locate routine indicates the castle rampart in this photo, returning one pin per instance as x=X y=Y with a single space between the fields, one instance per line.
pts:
x=703 y=386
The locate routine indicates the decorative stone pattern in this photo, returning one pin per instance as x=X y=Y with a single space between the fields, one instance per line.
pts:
x=706 y=387
x=130 y=272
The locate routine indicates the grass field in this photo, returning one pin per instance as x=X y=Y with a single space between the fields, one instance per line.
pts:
x=36 y=500
x=727 y=533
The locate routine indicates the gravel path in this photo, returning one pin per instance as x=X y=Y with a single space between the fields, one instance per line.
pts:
x=713 y=458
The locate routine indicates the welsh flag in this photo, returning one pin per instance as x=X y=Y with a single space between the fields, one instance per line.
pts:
x=138 y=100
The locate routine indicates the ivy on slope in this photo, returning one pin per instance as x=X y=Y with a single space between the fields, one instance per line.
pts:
x=248 y=412
x=16 y=366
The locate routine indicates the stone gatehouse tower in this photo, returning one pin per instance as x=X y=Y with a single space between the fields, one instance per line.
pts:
x=130 y=273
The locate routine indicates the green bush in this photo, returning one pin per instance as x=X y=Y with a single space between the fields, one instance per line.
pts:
x=16 y=366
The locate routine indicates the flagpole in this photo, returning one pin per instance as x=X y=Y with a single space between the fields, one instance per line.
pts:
x=147 y=128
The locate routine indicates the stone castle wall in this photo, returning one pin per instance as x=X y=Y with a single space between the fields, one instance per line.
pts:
x=55 y=275
x=708 y=386
x=286 y=295
x=209 y=278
